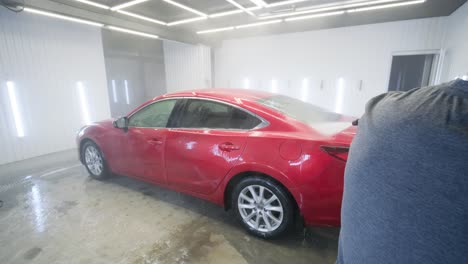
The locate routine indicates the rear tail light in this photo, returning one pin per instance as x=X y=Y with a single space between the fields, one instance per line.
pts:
x=338 y=152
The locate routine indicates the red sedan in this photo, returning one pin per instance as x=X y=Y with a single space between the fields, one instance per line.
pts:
x=263 y=155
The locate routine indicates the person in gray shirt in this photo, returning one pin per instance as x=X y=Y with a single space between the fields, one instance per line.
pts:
x=406 y=182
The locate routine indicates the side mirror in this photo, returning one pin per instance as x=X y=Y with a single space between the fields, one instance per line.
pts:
x=121 y=122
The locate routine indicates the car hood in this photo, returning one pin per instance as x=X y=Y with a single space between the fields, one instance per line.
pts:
x=104 y=123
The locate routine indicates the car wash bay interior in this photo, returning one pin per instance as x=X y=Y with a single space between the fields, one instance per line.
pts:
x=68 y=63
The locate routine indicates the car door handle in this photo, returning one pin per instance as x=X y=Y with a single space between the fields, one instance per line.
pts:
x=228 y=147
x=155 y=141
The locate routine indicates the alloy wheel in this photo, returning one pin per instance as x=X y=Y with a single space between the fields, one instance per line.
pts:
x=260 y=208
x=93 y=159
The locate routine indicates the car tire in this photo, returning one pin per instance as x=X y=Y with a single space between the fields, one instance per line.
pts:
x=94 y=161
x=267 y=215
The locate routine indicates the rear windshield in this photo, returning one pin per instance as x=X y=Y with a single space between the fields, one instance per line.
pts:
x=299 y=110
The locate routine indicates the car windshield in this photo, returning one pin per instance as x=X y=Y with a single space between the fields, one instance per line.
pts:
x=299 y=110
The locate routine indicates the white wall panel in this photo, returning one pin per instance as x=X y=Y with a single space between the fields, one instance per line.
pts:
x=456 y=44
x=361 y=53
x=187 y=66
x=45 y=58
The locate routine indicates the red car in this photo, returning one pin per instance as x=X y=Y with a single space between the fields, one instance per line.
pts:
x=266 y=156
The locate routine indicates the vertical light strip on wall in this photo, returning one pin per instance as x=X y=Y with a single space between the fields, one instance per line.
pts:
x=83 y=103
x=114 y=91
x=127 y=96
x=305 y=89
x=246 y=83
x=339 y=96
x=15 y=109
x=274 y=86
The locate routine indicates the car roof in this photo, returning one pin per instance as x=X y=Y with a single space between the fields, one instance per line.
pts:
x=231 y=95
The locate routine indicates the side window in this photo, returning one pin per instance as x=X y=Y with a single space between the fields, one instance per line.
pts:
x=209 y=114
x=153 y=115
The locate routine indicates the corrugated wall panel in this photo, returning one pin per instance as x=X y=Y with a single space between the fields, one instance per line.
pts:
x=45 y=58
x=456 y=44
x=359 y=55
x=187 y=66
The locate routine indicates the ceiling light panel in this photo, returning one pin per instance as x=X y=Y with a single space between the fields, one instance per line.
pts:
x=174 y=3
x=128 y=4
x=93 y=4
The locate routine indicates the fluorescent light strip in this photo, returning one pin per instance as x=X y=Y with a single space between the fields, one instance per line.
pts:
x=259 y=3
x=78 y=20
x=142 y=17
x=274 y=86
x=93 y=4
x=186 y=8
x=317 y=10
x=315 y=16
x=227 y=13
x=124 y=5
x=246 y=83
x=241 y=7
x=386 y=6
x=221 y=14
x=15 y=109
x=84 y=103
x=114 y=91
x=339 y=96
x=129 y=31
x=184 y=21
x=304 y=90
x=215 y=30
x=285 y=3
x=127 y=96
x=259 y=23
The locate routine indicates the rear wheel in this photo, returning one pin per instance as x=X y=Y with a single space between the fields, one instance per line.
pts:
x=94 y=161
x=263 y=207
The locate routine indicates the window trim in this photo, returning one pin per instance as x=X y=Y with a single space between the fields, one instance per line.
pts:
x=170 y=116
x=263 y=121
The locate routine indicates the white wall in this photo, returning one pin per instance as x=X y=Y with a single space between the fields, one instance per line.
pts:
x=134 y=60
x=456 y=44
x=352 y=53
x=187 y=66
x=45 y=58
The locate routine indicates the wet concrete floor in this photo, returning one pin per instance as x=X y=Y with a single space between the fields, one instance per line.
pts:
x=53 y=212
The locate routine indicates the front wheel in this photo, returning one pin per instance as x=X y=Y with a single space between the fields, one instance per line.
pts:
x=263 y=207
x=94 y=161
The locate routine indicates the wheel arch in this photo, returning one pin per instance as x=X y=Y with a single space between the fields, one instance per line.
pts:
x=235 y=179
x=83 y=141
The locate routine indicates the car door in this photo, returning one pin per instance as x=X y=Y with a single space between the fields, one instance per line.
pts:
x=144 y=141
x=207 y=140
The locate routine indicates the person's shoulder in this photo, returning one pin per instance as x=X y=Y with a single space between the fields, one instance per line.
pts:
x=418 y=94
